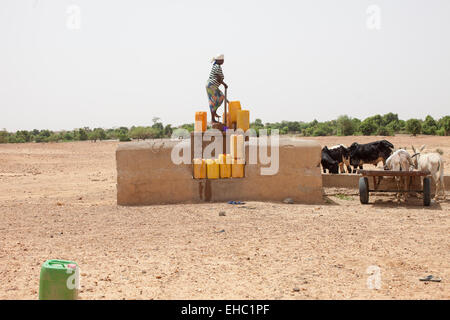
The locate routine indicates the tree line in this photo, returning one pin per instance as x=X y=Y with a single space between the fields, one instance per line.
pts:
x=383 y=125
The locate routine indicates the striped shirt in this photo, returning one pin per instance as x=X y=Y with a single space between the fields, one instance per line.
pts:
x=216 y=75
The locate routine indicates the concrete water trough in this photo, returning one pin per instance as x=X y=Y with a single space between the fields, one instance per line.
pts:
x=147 y=175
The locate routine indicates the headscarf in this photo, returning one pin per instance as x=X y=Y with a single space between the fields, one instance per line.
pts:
x=218 y=57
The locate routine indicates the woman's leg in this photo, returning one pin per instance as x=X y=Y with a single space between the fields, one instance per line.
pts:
x=215 y=98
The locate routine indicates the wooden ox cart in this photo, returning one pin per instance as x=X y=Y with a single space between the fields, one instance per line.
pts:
x=377 y=176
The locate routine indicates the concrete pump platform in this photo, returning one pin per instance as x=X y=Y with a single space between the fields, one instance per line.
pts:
x=146 y=175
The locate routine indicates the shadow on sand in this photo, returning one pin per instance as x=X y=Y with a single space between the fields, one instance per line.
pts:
x=410 y=203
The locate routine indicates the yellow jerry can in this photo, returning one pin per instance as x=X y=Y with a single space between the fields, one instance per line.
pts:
x=243 y=120
x=200 y=121
x=233 y=108
x=212 y=168
x=237 y=146
x=225 y=165
x=199 y=169
x=237 y=168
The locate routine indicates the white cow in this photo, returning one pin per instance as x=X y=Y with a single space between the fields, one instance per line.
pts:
x=400 y=160
x=433 y=163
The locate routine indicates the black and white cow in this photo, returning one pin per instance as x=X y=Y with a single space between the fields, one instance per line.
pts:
x=328 y=162
x=341 y=154
x=372 y=153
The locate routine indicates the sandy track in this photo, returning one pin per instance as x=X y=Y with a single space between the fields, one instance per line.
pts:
x=58 y=201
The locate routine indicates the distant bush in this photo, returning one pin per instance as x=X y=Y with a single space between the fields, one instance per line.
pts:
x=54 y=138
x=429 y=126
x=94 y=136
x=368 y=127
x=81 y=134
x=345 y=126
x=188 y=126
x=444 y=123
x=67 y=136
x=140 y=133
x=4 y=136
x=384 y=131
x=413 y=126
x=12 y=139
x=440 y=132
x=123 y=137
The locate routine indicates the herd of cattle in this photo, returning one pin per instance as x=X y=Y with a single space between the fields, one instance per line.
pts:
x=336 y=158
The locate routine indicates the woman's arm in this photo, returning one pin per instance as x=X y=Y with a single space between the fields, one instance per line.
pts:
x=220 y=77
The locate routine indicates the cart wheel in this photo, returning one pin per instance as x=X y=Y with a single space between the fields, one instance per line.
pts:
x=426 y=191
x=364 y=190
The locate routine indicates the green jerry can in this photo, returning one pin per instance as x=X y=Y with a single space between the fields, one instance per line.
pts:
x=59 y=280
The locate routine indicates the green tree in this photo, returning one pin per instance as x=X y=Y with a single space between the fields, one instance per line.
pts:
x=39 y=138
x=444 y=124
x=43 y=136
x=377 y=120
x=94 y=135
x=45 y=133
x=123 y=136
x=4 y=136
x=100 y=133
x=322 y=129
x=12 y=138
x=440 y=132
x=384 y=131
x=168 y=131
x=257 y=125
x=82 y=134
x=356 y=123
x=187 y=126
x=393 y=127
x=388 y=118
x=293 y=126
x=402 y=125
x=413 y=126
x=24 y=135
x=158 y=128
x=368 y=127
x=429 y=126
x=345 y=126
x=140 y=133
x=67 y=136
x=54 y=138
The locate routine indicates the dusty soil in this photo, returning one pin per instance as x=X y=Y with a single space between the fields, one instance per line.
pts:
x=57 y=201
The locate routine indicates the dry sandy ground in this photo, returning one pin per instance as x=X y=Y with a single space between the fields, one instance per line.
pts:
x=57 y=201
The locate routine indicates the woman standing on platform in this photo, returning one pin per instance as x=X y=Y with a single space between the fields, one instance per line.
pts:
x=215 y=96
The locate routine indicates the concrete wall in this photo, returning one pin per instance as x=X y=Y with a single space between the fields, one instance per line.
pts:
x=146 y=175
